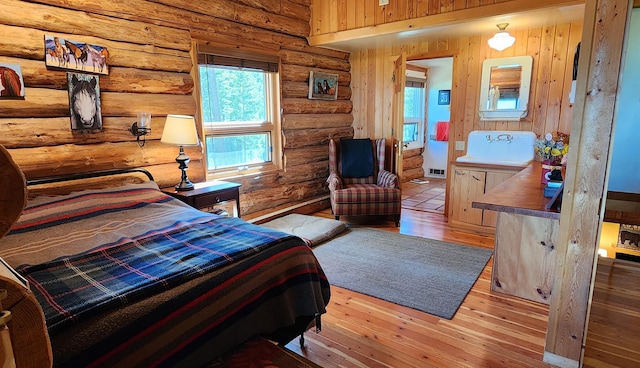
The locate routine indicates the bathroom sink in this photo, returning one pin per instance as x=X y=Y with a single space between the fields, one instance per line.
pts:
x=499 y=147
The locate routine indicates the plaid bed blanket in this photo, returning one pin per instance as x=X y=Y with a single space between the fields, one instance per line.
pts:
x=117 y=273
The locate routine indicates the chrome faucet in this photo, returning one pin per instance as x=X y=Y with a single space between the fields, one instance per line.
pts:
x=489 y=138
x=504 y=137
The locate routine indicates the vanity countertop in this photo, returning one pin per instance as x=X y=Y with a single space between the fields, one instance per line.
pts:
x=521 y=194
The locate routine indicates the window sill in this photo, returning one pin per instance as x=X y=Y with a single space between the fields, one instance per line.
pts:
x=235 y=174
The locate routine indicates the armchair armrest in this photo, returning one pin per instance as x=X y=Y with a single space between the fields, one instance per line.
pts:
x=334 y=181
x=387 y=179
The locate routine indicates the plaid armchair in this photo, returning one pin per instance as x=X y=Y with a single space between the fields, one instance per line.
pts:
x=365 y=187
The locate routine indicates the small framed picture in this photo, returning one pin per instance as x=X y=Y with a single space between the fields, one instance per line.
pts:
x=323 y=86
x=444 y=97
x=629 y=237
x=11 y=82
x=84 y=101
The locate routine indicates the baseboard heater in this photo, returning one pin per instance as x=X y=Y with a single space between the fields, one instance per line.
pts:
x=436 y=172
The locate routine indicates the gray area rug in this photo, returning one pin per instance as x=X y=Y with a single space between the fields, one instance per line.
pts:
x=428 y=275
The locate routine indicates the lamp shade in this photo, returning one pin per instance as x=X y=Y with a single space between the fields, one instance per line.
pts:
x=502 y=39
x=180 y=130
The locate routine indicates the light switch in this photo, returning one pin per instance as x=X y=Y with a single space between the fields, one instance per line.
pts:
x=383 y=2
x=459 y=145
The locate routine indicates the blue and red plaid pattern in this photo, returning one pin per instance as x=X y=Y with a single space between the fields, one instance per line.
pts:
x=131 y=269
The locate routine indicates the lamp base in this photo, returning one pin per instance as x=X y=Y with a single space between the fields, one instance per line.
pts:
x=182 y=159
x=184 y=185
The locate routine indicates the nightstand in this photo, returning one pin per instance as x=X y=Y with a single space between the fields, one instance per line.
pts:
x=207 y=194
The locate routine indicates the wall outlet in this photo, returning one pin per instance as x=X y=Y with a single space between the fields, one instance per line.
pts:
x=383 y=2
x=459 y=145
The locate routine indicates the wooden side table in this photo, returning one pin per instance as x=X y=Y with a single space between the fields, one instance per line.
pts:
x=207 y=194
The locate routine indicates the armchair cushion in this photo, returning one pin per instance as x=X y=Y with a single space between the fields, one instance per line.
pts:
x=387 y=179
x=357 y=157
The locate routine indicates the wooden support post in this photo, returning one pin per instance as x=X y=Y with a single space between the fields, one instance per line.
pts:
x=596 y=92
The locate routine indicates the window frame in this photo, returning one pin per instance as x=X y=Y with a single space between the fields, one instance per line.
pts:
x=421 y=120
x=224 y=129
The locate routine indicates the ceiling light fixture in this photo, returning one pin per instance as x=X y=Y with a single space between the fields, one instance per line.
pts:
x=502 y=39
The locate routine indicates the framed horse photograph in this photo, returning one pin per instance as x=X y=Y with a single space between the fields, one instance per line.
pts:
x=84 y=101
x=75 y=55
x=323 y=86
x=11 y=82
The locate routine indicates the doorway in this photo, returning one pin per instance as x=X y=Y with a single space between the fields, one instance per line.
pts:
x=428 y=192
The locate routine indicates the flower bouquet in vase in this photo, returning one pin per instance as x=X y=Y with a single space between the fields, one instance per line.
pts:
x=551 y=149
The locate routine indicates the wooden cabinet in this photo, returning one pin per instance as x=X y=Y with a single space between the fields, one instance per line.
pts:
x=469 y=183
x=524 y=257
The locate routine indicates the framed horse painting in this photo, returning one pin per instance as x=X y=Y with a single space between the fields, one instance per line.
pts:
x=323 y=86
x=84 y=101
x=75 y=55
x=11 y=82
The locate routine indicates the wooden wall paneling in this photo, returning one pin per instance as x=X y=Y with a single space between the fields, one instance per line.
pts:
x=319 y=23
x=370 y=7
x=534 y=41
x=356 y=95
x=603 y=39
x=341 y=8
x=434 y=7
x=411 y=9
x=545 y=59
x=422 y=7
x=566 y=110
x=459 y=98
x=353 y=20
x=334 y=21
x=472 y=84
x=558 y=77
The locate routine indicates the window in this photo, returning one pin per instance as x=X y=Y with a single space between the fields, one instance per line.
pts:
x=414 y=110
x=240 y=113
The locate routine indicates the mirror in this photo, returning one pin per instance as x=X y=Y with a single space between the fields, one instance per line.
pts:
x=504 y=90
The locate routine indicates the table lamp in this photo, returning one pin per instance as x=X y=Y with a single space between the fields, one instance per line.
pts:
x=181 y=130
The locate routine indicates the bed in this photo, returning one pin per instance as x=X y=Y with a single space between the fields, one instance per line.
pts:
x=128 y=276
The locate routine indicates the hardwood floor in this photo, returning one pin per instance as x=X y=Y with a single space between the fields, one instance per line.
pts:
x=489 y=330
x=614 y=322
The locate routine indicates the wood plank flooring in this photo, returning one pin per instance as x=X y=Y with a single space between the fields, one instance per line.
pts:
x=489 y=330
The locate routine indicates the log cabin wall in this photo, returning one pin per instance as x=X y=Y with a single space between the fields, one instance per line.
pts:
x=150 y=69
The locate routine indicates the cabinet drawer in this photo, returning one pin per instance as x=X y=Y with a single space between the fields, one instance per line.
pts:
x=211 y=199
